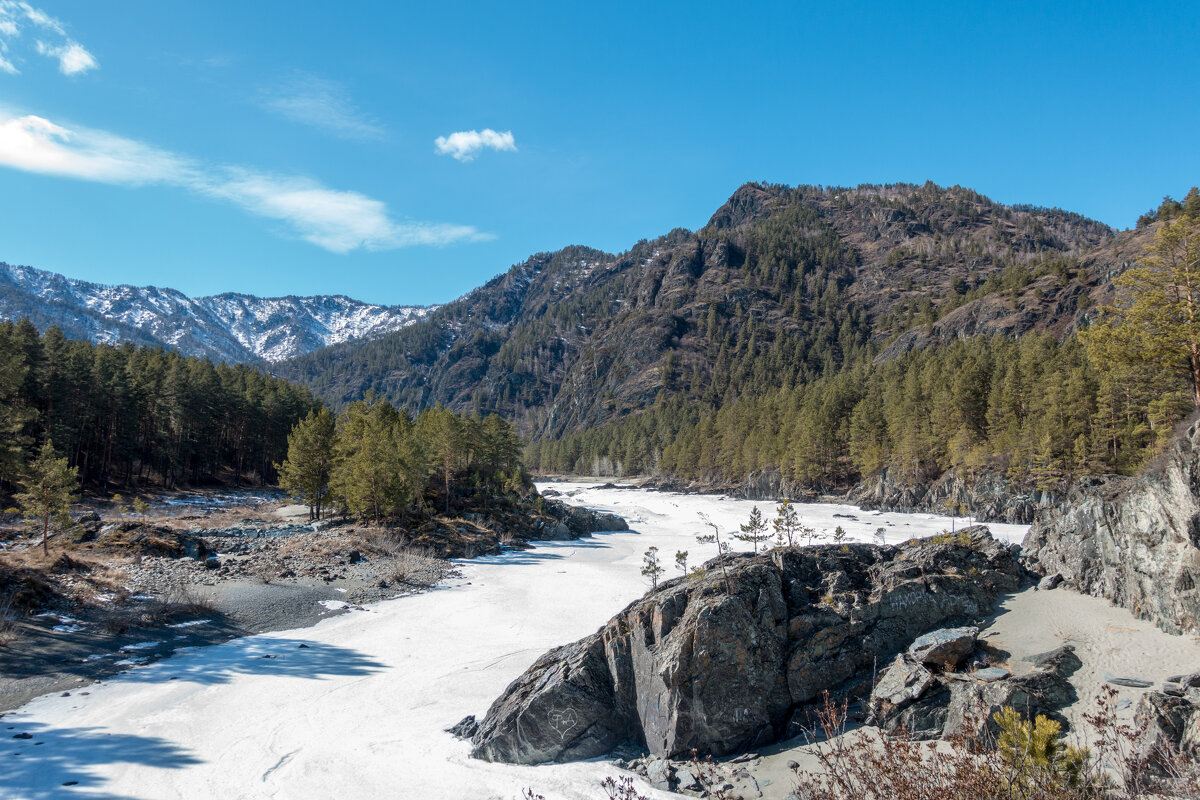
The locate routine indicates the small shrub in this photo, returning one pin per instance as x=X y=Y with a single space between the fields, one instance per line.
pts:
x=959 y=539
x=8 y=622
x=1036 y=750
x=412 y=567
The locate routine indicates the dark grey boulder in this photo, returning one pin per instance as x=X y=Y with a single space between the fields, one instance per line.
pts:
x=722 y=667
x=1050 y=582
x=1127 y=680
x=944 y=648
x=1169 y=729
x=465 y=728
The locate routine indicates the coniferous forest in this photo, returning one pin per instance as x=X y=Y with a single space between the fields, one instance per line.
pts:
x=127 y=416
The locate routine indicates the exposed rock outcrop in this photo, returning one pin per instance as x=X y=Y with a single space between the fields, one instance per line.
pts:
x=721 y=660
x=936 y=699
x=988 y=498
x=993 y=498
x=1169 y=724
x=1135 y=541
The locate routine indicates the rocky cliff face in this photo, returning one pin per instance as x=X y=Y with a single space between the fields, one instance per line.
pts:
x=1135 y=541
x=992 y=498
x=720 y=661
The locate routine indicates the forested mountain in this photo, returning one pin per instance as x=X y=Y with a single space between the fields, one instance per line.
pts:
x=227 y=327
x=781 y=287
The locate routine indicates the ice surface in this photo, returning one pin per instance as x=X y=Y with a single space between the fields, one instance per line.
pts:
x=360 y=710
x=334 y=605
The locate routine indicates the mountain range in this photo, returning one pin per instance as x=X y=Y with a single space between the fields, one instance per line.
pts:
x=227 y=327
x=781 y=285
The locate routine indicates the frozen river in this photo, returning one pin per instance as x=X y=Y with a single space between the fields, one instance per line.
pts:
x=355 y=707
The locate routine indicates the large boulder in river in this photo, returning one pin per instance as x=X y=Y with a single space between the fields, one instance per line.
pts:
x=719 y=661
x=1135 y=541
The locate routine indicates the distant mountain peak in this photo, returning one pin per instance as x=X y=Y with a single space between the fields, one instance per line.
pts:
x=231 y=326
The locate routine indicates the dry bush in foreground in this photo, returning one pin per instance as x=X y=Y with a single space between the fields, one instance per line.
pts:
x=8 y=622
x=1028 y=761
x=413 y=566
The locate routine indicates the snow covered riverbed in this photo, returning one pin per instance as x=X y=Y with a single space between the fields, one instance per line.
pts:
x=355 y=707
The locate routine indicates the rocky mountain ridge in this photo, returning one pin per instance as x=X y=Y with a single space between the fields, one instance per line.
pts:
x=227 y=327
x=575 y=338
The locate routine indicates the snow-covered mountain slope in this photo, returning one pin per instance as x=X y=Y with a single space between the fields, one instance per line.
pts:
x=225 y=327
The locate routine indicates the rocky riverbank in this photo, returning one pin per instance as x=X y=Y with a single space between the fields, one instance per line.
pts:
x=124 y=591
x=990 y=498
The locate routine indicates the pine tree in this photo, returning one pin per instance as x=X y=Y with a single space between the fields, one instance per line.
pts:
x=786 y=524
x=443 y=433
x=366 y=474
x=681 y=559
x=722 y=548
x=48 y=491
x=1156 y=324
x=651 y=568
x=755 y=530
x=309 y=463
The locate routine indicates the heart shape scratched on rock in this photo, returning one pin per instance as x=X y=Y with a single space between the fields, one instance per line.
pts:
x=563 y=721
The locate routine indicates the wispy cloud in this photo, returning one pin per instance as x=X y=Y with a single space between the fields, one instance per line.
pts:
x=73 y=58
x=337 y=220
x=322 y=104
x=465 y=145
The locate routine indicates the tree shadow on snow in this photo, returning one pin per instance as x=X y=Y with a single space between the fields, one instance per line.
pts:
x=58 y=762
x=546 y=550
x=260 y=655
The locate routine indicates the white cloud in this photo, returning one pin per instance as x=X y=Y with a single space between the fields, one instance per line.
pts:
x=465 y=145
x=322 y=104
x=73 y=58
x=339 y=221
x=35 y=144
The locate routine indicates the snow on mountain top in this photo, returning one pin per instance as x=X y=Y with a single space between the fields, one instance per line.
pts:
x=228 y=327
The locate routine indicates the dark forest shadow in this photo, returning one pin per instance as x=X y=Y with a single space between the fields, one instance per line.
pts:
x=37 y=768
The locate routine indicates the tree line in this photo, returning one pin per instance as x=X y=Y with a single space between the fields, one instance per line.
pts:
x=127 y=416
x=376 y=461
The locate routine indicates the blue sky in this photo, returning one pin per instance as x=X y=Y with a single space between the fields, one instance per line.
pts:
x=293 y=148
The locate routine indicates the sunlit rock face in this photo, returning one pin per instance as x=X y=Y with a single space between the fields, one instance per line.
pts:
x=720 y=660
x=1135 y=541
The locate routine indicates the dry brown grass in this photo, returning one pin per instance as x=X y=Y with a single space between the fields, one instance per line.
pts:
x=8 y=622
x=181 y=602
x=188 y=519
x=859 y=766
x=413 y=567
x=32 y=581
